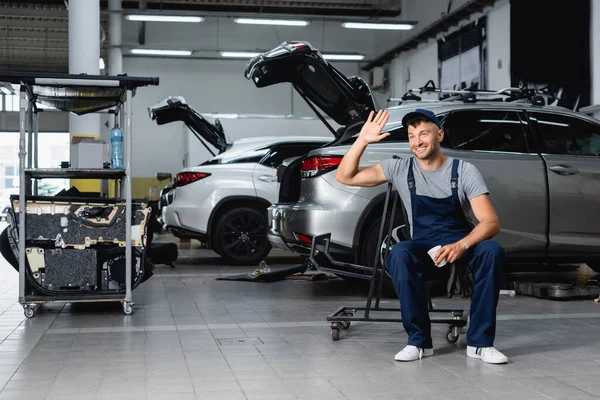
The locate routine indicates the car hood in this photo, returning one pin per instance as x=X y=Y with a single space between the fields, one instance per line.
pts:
x=346 y=100
x=176 y=109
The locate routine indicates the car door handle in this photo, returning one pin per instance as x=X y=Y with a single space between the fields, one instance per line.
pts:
x=268 y=178
x=564 y=169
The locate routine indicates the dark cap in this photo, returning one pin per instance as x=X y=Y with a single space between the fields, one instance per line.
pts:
x=419 y=112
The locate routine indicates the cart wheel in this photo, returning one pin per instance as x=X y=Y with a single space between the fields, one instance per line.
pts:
x=29 y=311
x=451 y=336
x=345 y=324
x=335 y=333
x=127 y=308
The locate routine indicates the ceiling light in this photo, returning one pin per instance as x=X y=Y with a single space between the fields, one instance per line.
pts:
x=239 y=54
x=152 y=52
x=346 y=57
x=285 y=22
x=162 y=18
x=372 y=25
x=6 y=90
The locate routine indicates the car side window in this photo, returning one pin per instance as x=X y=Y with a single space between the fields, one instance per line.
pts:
x=568 y=135
x=288 y=150
x=484 y=130
x=397 y=134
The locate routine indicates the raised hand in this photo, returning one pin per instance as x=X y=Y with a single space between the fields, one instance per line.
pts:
x=371 y=130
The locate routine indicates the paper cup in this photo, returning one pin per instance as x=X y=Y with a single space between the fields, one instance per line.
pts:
x=432 y=253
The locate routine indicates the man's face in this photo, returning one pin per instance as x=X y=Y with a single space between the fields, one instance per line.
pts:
x=424 y=139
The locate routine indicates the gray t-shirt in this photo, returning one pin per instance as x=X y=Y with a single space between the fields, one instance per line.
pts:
x=435 y=183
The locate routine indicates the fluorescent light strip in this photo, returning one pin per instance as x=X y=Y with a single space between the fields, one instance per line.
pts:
x=162 y=18
x=239 y=54
x=284 y=22
x=151 y=52
x=346 y=57
x=372 y=25
x=250 y=54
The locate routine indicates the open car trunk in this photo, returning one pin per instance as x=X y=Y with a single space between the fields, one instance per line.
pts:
x=346 y=100
x=176 y=109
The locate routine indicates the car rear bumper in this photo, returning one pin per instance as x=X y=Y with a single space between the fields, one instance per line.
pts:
x=177 y=220
x=292 y=227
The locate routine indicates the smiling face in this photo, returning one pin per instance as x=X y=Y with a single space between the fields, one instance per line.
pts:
x=424 y=138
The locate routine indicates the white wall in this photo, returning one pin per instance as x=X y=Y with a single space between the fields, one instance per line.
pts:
x=498 y=39
x=425 y=12
x=414 y=68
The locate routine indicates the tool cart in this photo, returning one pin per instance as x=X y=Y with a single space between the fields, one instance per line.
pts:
x=76 y=247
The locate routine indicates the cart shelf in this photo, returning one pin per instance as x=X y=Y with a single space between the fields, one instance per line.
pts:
x=75 y=173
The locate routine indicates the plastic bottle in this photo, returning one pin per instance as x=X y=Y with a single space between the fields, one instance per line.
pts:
x=116 y=147
x=262 y=269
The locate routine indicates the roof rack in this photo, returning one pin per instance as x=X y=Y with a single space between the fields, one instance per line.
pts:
x=510 y=94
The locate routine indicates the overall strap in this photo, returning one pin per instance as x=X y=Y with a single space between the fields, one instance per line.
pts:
x=454 y=182
x=454 y=177
x=411 y=177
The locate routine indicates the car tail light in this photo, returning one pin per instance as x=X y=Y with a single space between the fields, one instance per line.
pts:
x=303 y=238
x=296 y=45
x=316 y=165
x=184 y=178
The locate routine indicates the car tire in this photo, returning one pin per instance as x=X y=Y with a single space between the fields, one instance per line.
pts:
x=370 y=248
x=241 y=236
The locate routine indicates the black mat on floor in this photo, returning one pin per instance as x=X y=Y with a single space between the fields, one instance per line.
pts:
x=271 y=276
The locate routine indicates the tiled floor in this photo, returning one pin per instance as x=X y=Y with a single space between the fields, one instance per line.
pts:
x=193 y=337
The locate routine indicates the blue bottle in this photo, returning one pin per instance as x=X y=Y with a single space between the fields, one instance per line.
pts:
x=116 y=147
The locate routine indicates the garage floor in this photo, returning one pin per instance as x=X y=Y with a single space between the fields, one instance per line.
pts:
x=192 y=337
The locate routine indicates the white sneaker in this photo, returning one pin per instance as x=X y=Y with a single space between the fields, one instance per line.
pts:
x=412 y=353
x=487 y=354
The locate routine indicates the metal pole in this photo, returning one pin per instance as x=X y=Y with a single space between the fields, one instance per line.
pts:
x=128 y=211
x=36 y=123
x=30 y=135
x=22 y=204
x=115 y=56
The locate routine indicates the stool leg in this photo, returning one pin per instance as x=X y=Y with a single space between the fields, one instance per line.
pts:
x=429 y=303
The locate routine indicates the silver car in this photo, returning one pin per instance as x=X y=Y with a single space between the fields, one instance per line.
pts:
x=541 y=164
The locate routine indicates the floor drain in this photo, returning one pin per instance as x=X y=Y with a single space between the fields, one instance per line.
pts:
x=238 y=341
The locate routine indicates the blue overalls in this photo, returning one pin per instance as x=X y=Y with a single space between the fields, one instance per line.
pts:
x=441 y=222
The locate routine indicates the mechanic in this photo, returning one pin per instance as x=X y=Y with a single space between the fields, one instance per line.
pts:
x=438 y=193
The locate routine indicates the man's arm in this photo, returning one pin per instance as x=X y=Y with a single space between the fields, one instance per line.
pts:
x=488 y=227
x=348 y=171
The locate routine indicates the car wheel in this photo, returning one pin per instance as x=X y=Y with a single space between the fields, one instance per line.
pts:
x=371 y=249
x=241 y=236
